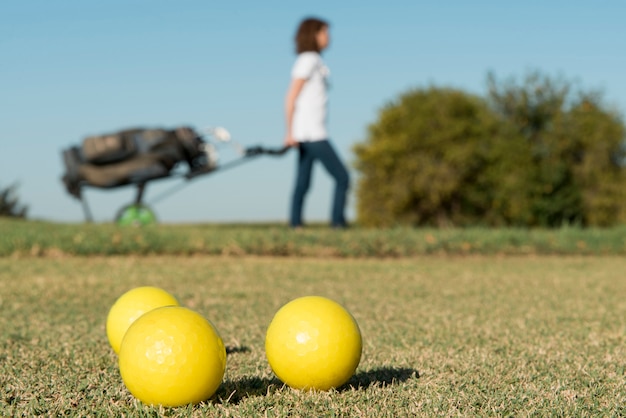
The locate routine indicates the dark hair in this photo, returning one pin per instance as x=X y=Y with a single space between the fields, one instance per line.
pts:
x=306 y=35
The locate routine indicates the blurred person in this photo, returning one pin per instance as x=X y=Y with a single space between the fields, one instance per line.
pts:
x=306 y=116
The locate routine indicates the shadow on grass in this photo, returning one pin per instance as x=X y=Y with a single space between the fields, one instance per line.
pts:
x=232 y=349
x=383 y=376
x=233 y=392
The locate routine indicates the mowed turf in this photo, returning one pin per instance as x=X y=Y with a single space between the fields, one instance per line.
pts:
x=443 y=336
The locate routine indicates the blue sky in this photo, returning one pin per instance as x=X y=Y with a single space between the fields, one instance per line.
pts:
x=69 y=69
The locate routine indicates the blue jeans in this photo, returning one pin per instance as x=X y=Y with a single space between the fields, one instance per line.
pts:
x=324 y=152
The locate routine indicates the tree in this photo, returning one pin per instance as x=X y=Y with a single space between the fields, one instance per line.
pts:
x=536 y=153
x=598 y=161
x=423 y=161
x=9 y=205
x=574 y=146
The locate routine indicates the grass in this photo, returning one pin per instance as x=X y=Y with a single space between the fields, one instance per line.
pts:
x=443 y=335
x=26 y=238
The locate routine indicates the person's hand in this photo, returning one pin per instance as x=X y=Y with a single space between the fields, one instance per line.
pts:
x=290 y=142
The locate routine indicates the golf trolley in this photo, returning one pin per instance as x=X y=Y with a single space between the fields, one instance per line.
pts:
x=139 y=156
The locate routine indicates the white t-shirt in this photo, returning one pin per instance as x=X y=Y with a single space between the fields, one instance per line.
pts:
x=309 y=118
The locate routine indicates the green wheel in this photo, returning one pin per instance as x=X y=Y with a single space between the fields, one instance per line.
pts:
x=136 y=215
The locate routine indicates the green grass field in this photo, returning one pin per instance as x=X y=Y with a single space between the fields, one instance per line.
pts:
x=34 y=239
x=443 y=335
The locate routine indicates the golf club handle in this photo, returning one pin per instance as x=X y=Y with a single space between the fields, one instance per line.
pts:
x=258 y=150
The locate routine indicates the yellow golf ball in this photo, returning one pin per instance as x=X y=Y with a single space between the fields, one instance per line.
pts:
x=172 y=356
x=313 y=343
x=130 y=306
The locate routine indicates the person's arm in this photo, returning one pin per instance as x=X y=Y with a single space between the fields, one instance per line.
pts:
x=290 y=104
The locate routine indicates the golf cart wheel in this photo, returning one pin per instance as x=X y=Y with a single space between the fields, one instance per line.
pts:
x=136 y=215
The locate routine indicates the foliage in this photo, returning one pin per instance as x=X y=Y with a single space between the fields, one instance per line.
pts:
x=424 y=160
x=535 y=153
x=9 y=203
x=43 y=239
x=443 y=336
x=573 y=146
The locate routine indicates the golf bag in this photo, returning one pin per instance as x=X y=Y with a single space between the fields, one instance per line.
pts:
x=132 y=156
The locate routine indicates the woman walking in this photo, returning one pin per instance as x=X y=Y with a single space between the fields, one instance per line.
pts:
x=306 y=114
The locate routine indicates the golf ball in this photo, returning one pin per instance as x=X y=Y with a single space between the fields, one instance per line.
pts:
x=172 y=356
x=130 y=306
x=313 y=343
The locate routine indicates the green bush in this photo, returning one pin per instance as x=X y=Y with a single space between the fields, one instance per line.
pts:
x=573 y=148
x=536 y=153
x=9 y=203
x=424 y=159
